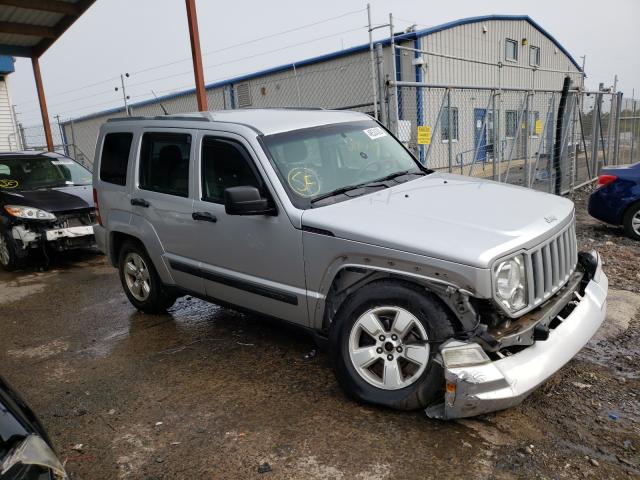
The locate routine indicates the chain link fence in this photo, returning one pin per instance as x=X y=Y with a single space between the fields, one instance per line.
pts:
x=521 y=137
x=508 y=135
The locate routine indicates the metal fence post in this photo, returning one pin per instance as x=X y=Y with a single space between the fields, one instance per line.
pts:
x=494 y=132
x=527 y=138
x=384 y=103
x=633 y=130
x=449 y=131
x=73 y=141
x=23 y=137
x=616 y=133
x=373 y=65
x=393 y=107
x=595 y=132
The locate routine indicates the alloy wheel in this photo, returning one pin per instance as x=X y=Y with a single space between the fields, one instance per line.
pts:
x=635 y=222
x=136 y=275
x=388 y=347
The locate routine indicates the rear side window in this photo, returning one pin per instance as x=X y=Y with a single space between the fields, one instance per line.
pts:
x=224 y=164
x=164 y=163
x=115 y=158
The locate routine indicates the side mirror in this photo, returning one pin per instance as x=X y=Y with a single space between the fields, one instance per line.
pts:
x=246 y=200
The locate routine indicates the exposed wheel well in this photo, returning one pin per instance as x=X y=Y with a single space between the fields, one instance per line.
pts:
x=627 y=209
x=349 y=280
x=115 y=245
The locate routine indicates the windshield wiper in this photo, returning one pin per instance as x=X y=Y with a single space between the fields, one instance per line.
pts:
x=397 y=174
x=345 y=189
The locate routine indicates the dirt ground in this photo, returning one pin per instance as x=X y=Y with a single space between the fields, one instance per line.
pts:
x=209 y=393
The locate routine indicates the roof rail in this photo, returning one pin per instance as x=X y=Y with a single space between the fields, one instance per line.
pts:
x=160 y=117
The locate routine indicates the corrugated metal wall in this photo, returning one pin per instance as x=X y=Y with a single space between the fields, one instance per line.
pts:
x=345 y=82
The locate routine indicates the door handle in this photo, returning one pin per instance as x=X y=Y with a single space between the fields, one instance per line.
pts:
x=204 y=216
x=140 y=202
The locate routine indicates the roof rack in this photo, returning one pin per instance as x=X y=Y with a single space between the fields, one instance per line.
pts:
x=161 y=117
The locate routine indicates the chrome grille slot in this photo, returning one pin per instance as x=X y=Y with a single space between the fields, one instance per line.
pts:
x=552 y=263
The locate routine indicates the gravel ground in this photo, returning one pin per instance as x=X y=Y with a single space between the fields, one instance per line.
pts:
x=209 y=393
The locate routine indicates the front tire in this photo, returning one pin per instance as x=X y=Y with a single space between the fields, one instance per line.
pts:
x=140 y=280
x=10 y=259
x=631 y=221
x=383 y=342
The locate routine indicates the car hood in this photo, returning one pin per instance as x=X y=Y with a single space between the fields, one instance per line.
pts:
x=450 y=217
x=61 y=199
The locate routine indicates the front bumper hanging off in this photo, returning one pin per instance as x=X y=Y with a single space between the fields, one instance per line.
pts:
x=495 y=385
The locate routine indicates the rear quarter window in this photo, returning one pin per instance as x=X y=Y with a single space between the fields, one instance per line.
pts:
x=115 y=157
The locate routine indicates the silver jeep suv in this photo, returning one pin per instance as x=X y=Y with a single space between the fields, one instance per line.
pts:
x=435 y=291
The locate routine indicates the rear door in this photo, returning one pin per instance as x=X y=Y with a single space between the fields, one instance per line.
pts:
x=163 y=197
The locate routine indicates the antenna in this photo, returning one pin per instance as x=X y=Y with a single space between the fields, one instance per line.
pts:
x=161 y=105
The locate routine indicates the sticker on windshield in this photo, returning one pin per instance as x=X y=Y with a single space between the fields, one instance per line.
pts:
x=8 y=184
x=62 y=162
x=304 y=181
x=375 y=132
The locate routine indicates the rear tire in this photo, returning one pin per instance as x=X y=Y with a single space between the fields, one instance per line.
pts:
x=10 y=258
x=631 y=221
x=390 y=361
x=140 y=280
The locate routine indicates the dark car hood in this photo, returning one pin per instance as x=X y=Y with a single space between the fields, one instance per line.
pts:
x=61 y=199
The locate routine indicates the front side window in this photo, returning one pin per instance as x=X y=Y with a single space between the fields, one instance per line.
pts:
x=315 y=161
x=511 y=50
x=164 y=163
x=445 y=123
x=41 y=172
x=534 y=56
x=511 y=123
x=225 y=164
x=115 y=157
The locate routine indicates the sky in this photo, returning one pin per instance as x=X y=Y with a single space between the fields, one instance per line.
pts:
x=149 y=39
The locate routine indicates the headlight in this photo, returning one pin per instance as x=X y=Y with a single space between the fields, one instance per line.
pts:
x=29 y=212
x=510 y=283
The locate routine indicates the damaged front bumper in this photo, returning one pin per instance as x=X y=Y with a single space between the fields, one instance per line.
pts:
x=56 y=236
x=477 y=385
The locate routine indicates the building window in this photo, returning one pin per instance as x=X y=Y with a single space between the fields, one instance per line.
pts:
x=535 y=126
x=511 y=50
x=534 y=56
x=445 y=124
x=114 y=160
x=164 y=163
x=511 y=123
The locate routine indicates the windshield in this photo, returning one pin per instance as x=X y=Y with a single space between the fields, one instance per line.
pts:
x=316 y=161
x=38 y=172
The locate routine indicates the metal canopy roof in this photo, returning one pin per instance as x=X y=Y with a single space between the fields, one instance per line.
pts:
x=29 y=27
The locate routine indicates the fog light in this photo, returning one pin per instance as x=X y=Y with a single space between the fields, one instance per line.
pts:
x=464 y=355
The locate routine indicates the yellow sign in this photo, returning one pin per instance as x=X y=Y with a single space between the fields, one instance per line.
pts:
x=538 y=128
x=424 y=134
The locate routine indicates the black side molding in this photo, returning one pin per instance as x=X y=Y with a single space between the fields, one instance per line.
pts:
x=268 y=292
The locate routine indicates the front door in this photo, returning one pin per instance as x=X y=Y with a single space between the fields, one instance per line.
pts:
x=252 y=261
x=480 y=134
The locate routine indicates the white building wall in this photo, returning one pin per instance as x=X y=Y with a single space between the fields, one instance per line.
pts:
x=9 y=140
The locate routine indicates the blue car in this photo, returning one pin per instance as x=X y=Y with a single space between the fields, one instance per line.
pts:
x=617 y=199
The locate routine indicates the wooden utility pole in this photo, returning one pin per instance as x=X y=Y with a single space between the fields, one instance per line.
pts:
x=43 y=103
x=196 y=54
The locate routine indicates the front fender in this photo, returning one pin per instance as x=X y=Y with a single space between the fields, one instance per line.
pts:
x=326 y=257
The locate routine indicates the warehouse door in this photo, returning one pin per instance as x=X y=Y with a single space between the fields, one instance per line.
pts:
x=480 y=134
